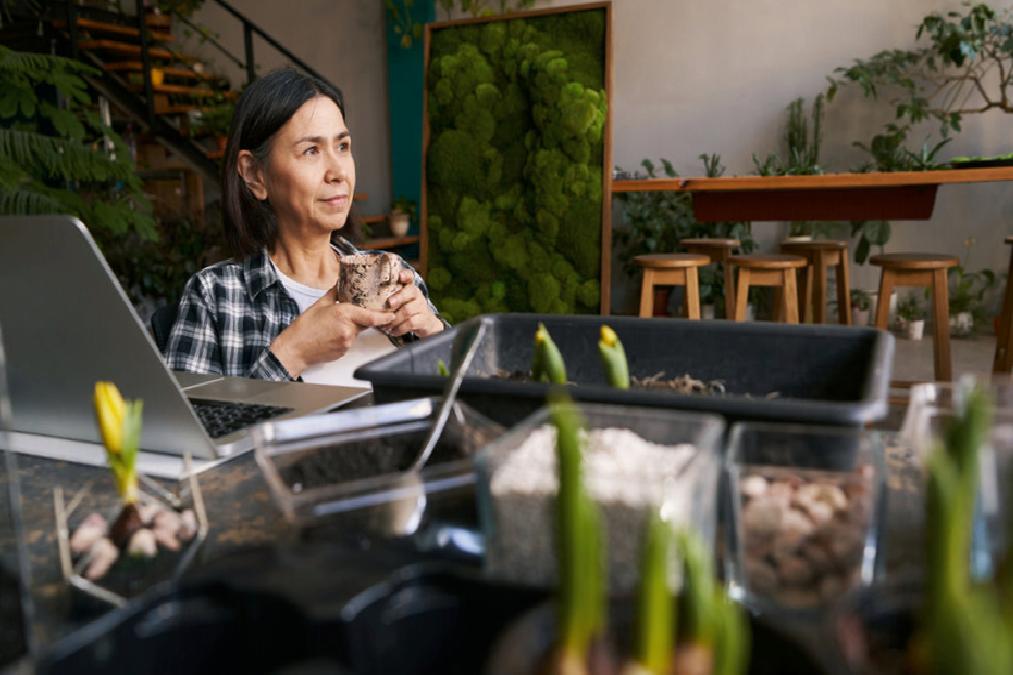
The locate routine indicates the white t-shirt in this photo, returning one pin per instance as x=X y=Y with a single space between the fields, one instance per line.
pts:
x=370 y=343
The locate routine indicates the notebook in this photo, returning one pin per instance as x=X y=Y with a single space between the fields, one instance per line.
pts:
x=67 y=323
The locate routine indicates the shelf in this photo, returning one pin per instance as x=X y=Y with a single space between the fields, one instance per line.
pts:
x=897 y=195
x=390 y=242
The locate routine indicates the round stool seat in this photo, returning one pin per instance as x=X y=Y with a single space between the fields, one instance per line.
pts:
x=914 y=261
x=816 y=245
x=725 y=243
x=667 y=261
x=768 y=261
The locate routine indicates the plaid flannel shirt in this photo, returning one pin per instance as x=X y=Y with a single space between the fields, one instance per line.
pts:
x=231 y=311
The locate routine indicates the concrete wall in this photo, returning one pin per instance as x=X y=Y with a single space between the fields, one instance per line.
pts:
x=345 y=42
x=691 y=77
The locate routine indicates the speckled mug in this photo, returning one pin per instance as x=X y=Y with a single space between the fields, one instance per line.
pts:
x=369 y=280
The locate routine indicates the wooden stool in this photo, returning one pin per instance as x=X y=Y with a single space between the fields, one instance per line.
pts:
x=718 y=250
x=822 y=254
x=1004 y=334
x=768 y=270
x=671 y=269
x=922 y=270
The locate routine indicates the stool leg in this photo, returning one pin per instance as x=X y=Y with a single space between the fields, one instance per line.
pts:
x=790 y=296
x=777 y=293
x=805 y=293
x=820 y=289
x=1004 y=337
x=741 y=296
x=692 y=293
x=729 y=290
x=941 y=316
x=886 y=283
x=843 y=290
x=647 y=295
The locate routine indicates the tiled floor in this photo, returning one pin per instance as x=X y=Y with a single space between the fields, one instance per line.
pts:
x=913 y=358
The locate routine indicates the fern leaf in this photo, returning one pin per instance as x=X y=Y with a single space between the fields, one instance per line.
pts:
x=59 y=158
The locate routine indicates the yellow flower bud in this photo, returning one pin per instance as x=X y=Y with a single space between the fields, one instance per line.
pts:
x=110 y=411
x=608 y=336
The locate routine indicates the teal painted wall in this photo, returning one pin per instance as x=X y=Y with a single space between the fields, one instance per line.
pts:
x=405 y=70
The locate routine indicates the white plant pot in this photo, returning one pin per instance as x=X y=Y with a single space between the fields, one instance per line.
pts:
x=859 y=317
x=398 y=224
x=914 y=329
x=707 y=311
x=961 y=323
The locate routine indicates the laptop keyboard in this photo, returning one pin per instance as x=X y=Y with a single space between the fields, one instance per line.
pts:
x=221 y=418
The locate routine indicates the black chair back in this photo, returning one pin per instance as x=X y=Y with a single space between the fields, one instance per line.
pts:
x=161 y=324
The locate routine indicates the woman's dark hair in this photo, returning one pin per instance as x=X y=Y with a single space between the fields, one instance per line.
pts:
x=264 y=108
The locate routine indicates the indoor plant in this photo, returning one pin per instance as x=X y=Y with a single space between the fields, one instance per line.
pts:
x=911 y=316
x=861 y=304
x=967 y=298
x=402 y=213
x=513 y=169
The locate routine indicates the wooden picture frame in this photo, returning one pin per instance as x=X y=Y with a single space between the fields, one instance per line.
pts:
x=605 y=266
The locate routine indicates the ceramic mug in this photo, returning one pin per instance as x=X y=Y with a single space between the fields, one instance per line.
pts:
x=369 y=280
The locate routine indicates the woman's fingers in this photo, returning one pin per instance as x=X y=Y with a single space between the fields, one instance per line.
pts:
x=366 y=317
x=403 y=296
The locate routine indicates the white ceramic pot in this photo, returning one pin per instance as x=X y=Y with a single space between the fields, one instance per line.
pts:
x=961 y=323
x=915 y=329
x=859 y=317
x=707 y=311
x=398 y=223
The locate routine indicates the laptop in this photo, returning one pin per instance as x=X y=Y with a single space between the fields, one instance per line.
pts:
x=67 y=324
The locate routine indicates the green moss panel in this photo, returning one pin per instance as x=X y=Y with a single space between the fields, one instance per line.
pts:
x=514 y=166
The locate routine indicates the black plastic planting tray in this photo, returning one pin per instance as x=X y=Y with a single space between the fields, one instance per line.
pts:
x=819 y=374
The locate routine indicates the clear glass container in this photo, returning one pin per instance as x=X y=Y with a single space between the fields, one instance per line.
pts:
x=636 y=461
x=349 y=471
x=806 y=510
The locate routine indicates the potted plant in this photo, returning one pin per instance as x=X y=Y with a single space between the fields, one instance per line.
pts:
x=216 y=120
x=861 y=305
x=967 y=298
x=402 y=213
x=911 y=315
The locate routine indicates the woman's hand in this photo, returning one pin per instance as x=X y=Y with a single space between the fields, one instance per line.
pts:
x=324 y=332
x=411 y=311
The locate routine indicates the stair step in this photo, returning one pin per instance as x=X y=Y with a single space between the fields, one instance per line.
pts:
x=137 y=66
x=115 y=29
x=125 y=48
x=176 y=89
x=160 y=20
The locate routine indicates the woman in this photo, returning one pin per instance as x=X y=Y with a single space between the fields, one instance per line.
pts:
x=272 y=311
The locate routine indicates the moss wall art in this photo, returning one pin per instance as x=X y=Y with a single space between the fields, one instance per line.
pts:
x=516 y=113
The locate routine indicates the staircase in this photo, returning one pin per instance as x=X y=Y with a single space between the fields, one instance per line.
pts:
x=163 y=100
x=165 y=103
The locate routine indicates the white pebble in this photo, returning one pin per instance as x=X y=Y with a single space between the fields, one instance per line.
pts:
x=90 y=530
x=754 y=486
x=103 y=555
x=142 y=544
x=187 y=525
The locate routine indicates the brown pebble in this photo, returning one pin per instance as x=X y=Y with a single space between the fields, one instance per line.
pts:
x=760 y=576
x=794 y=570
x=831 y=586
x=763 y=515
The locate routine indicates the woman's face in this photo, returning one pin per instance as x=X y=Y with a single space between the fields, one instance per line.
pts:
x=310 y=174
